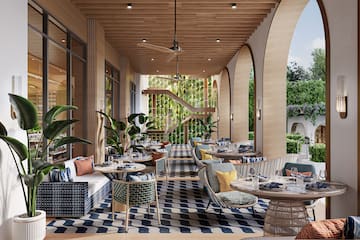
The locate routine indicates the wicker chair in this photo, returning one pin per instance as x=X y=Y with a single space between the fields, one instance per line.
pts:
x=232 y=199
x=134 y=194
x=196 y=154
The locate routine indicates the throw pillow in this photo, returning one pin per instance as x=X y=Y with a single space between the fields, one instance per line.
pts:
x=84 y=166
x=330 y=228
x=205 y=155
x=306 y=174
x=61 y=175
x=225 y=178
x=352 y=227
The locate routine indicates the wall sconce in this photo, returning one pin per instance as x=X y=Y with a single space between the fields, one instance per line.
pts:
x=232 y=116
x=341 y=98
x=258 y=110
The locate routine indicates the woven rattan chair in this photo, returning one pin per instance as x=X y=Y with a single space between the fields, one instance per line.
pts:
x=134 y=194
x=232 y=199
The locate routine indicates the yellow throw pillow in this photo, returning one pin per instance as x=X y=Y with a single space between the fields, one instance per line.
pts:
x=225 y=178
x=204 y=155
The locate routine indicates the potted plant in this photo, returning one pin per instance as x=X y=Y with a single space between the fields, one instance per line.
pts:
x=122 y=136
x=32 y=164
x=208 y=126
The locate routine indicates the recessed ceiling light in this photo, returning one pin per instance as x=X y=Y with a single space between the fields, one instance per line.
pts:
x=152 y=59
x=209 y=59
x=233 y=5
x=144 y=40
x=129 y=6
x=204 y=70
x=157 y=71
x=218 y=40
x=63 y=40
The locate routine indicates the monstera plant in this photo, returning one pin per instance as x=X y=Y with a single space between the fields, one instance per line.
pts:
x=32 y=164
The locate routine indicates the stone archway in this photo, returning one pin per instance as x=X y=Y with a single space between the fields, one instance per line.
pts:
x=274 y=75
x=298 y=128
x=240 y=122
x=224 y=105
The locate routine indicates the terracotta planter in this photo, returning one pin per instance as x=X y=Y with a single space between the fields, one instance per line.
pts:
x=30 y=228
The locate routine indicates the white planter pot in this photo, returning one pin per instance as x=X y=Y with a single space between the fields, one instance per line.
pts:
x=30 y=228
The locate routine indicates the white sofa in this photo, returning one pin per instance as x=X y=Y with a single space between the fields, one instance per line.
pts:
x=72 y=199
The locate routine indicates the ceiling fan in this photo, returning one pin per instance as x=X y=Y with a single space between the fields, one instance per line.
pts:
x=174 y=50
x=177 y=76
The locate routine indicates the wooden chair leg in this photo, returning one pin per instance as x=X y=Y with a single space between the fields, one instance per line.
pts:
x=158 y=211
x=127 y=219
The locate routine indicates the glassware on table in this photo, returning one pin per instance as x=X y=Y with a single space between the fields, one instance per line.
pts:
x=322 y=175
x=278 y=174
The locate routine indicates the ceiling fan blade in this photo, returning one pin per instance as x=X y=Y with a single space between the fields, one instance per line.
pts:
x=169 y=78
x=171 y=57
x=156 y=47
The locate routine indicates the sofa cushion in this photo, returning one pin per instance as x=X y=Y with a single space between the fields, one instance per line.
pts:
x=352 y=227
x=237 y=198
x=70 y=164
x=84 y=166
x=330 y=228
x=95 y=181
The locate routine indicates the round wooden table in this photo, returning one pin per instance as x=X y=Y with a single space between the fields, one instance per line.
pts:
x=116 y=168
x=286 y=214
x=228 y=155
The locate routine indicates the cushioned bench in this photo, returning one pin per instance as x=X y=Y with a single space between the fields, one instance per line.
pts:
x=72 y=199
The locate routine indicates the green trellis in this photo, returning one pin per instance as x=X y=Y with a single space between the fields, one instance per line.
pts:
x=192 y=91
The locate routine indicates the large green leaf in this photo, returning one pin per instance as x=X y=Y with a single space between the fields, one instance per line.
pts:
x=17 y=146
x=142 y=118
x=55 y=128
x=131 y=118
x=121 y=126
x=25 y=112
x=3 y=130
x=55 y=111
x=70 y=140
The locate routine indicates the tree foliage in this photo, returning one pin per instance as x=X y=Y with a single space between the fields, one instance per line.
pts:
x=305 y=92
x=295 y=72
x=318 y=67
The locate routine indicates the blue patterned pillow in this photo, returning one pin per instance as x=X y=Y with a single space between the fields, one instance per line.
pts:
x=63 y=175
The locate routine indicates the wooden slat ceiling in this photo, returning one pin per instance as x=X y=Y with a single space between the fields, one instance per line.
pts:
x=199 y=24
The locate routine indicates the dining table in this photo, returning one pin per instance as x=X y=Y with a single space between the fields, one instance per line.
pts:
x=286 y=213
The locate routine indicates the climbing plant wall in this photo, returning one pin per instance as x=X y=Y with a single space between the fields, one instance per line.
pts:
x=170 y=115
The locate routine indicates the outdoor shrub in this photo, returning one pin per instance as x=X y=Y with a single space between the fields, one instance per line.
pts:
x=292 y=146
x=317 y=152
x=296 y=137
x=251 y=136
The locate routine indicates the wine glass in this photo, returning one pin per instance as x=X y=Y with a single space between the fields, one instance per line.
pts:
x=294 y=171
x=322 y=175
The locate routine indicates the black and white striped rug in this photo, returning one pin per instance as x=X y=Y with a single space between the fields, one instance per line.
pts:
x=182 y=208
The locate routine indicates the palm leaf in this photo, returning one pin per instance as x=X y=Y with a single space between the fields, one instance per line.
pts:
x=57 y=127
x=25 y=112
x=70 y=140
x=3 y=130
x=55 y=111
x=17 y=146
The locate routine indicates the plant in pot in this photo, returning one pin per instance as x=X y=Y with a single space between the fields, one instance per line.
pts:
x=122 y=136
x=208 y=126
x=32 y=164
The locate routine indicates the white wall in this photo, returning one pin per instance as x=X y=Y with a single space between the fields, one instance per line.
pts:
x=257 y=42
x=13 y=62
x=142 y=100
x=342 y=18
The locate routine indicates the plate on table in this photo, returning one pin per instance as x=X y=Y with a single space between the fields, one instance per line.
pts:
x=273 y=187
x=318 y=186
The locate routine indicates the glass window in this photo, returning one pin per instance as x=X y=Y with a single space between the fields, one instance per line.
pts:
x=132 y=97
x=63 y=87
x=35 y=83
x=112 y=91
x=35 y=18
x=56 y=32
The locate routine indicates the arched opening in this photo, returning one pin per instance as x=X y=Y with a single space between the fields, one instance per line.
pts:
x=224 y=105
x=241 y=124
x=214 y=135
x=298 y=128
x=274 y=77
x=320 y=134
